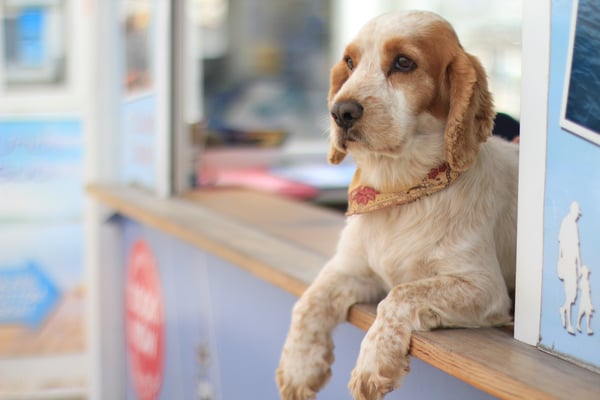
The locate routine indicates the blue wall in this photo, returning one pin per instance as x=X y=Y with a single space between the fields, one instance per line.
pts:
x=572 y=174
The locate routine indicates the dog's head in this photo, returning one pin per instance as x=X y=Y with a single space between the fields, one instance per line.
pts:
x=405 y=75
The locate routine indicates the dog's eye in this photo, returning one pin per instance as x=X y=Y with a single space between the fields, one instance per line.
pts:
x=349 y=63
x=404 y=64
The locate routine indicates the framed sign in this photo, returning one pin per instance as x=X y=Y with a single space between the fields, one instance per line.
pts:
x=581 y=103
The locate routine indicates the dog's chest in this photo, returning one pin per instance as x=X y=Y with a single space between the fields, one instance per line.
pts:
x=399 y=246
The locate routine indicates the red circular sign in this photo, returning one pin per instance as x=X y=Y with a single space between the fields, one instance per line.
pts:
x=144 y=322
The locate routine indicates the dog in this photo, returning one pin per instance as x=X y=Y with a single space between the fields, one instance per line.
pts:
x=431 y=232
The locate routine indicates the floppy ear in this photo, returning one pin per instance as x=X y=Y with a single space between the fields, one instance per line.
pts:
x=471 y=116
x=339 y=75
x=334 y=155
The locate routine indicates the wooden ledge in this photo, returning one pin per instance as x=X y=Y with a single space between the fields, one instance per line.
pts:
x=286 y=243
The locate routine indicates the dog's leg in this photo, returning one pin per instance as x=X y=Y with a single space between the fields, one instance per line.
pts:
x=307 y=355
x=418 y=305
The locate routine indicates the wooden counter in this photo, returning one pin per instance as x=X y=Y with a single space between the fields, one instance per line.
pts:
x=286 y=243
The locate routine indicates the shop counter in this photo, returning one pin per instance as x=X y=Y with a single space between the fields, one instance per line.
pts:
x=245 y=257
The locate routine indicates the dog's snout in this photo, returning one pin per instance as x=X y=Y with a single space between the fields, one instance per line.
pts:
x=346 y=113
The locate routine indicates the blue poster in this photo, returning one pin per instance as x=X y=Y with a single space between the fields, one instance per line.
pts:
x=42 y=294
x=571 y=260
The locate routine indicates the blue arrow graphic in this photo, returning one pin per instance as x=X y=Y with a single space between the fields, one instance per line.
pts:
x=27 y=295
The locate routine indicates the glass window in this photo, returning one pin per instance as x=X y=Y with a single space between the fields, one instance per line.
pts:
x=33 y=42
x=265 y=66
x=266 y=62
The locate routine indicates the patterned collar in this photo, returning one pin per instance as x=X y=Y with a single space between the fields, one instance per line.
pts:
x=363 y=199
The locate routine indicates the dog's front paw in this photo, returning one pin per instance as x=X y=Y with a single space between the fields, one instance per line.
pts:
x=374 y=382
x=290 y=388
x=369 y=386
x=381 y=365
x=301 y=374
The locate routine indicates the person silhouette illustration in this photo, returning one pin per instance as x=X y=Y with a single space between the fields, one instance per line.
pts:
x=569 y=262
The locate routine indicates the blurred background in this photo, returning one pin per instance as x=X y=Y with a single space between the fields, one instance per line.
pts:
x=170 y=96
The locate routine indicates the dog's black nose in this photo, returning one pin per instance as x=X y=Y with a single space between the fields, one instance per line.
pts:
x=346 y=113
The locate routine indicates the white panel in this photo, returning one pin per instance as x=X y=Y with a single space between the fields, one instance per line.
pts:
x=532 y=169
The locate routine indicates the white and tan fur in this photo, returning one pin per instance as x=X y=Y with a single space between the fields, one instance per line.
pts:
x=446 y=260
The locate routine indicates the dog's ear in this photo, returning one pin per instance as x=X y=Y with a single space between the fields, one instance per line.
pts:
x=471 y=114
x=339 y=75
x=334 y=155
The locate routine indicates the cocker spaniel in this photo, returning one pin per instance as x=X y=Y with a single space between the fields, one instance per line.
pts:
x=431 y=231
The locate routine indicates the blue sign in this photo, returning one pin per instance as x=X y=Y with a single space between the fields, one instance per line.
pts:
x=30 y=25
x=27 y=295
